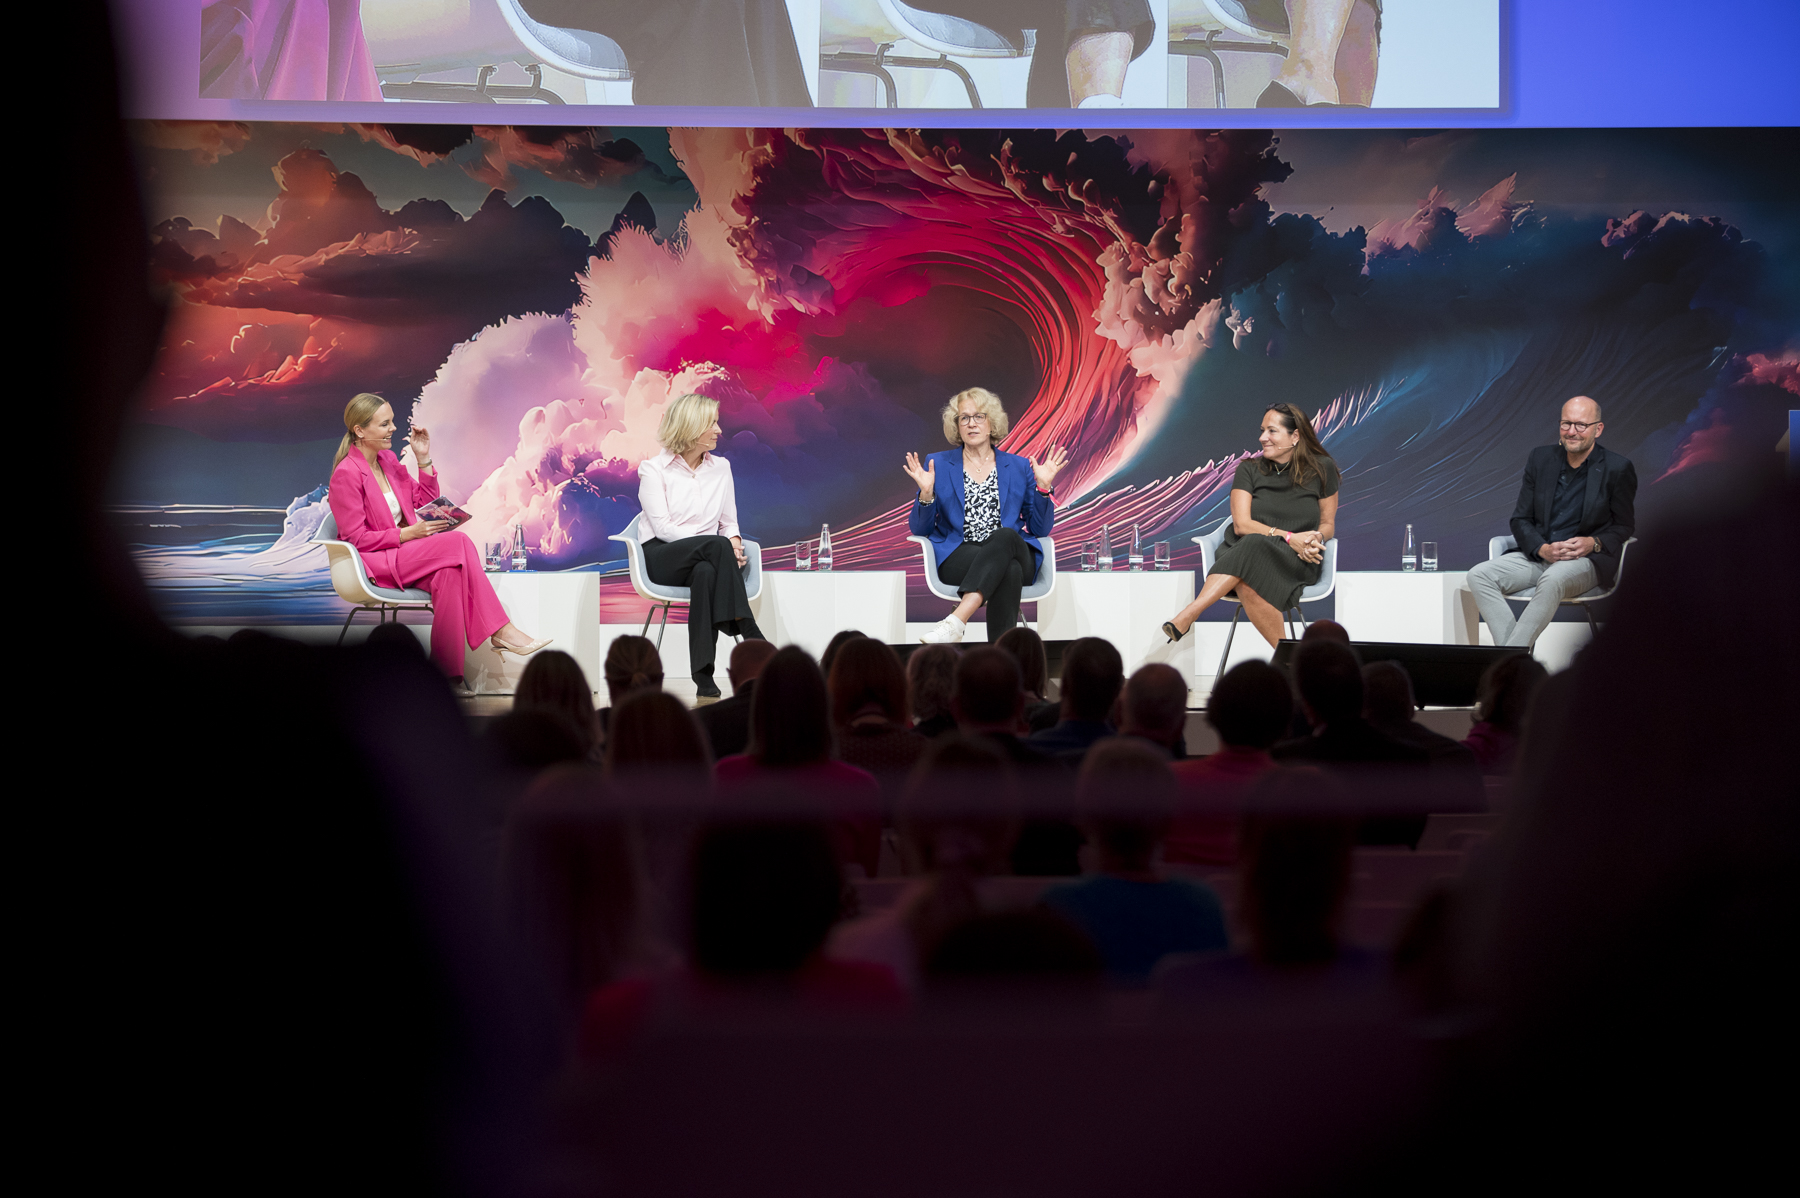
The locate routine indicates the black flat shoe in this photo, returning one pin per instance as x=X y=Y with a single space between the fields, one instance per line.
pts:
x=1277 y=96
x=1169 y=631
x=706 y=690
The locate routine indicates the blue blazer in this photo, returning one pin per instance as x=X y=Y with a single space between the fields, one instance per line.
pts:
x=1022 y=507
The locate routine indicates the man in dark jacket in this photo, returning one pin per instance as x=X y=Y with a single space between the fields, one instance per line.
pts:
x=727 y=722
x=1574 y=515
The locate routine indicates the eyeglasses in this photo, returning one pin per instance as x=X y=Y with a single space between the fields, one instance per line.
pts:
x=972 y=418
x=1578 y=426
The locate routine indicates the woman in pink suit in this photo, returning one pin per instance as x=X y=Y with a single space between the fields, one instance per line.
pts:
x=374 y=499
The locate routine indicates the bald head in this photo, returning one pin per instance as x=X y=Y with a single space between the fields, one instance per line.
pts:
x=747 y=660
x=1325 y=630
x=1156 y=704
x=1583 y=408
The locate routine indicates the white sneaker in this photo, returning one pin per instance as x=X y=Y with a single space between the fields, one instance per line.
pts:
x=947 y=631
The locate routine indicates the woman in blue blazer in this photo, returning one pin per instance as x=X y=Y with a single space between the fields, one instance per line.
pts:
x=984 y=511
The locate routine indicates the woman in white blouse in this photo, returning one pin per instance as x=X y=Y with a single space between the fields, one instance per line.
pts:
x=690 y=531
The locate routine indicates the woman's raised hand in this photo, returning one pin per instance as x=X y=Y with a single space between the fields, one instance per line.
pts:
x=924 y=477
x=420 y=440
x=1047 y=470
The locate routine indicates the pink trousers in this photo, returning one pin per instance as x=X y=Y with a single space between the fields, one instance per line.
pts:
x=465 y=609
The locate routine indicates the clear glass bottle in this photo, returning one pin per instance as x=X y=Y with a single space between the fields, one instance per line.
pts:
x=1106 y=549
x=518 y=556
x=1134 y=557
x=824 y=557
x=1409 y=551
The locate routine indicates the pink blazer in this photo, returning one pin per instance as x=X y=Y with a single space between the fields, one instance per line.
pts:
x=362 y=511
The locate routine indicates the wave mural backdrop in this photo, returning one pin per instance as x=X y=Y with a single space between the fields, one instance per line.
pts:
x=536 y=295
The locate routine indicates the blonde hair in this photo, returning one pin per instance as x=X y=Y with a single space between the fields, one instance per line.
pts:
x=685 y=421
x=359 y=411
x=990 y=407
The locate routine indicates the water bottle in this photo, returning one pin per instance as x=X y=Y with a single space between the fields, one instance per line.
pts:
x=1409 y=552
x=824 y=558
x=1106 y=549
x=518 y=558
x=1134 y=557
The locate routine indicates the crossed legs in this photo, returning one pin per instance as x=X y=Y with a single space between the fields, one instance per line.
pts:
x=1262 y=614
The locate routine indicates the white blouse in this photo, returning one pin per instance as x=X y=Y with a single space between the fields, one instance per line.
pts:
x=681 y=502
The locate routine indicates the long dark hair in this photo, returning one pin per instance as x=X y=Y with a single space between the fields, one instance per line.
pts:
x=1310 y=452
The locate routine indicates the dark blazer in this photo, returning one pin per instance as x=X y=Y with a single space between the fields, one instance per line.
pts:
x=1022 y=506
x=1608 y=514
x=727 y=722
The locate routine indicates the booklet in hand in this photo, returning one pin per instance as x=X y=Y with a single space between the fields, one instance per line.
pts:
x=442 y=509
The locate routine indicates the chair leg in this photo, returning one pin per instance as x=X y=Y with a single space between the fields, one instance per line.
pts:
x=662 y=627
x=1224 y=657
x=1593 y=628
x=649 y=615
x=1300 y=615
x=345 y=630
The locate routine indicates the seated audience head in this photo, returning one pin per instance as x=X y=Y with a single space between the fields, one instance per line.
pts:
x=553 y=681
x=1294 y=863
x=1329 y=678
x=631 y=664
x=1126 y=796
x=790 y=718
x=988 y=696
x=959 y=813
x=390 y=635
x=1387 y=693
x=931 y=681
x=765 y=895
x=532 y=739
x=1503 y=696
x=569 y=873
x=1027 y=648
x=653 y=730
x=748 y=657
x=1325 y=630
x=837 y=642
x=1251 y=705
x=1155 y=706
x=1093 y=674
x=867 y=679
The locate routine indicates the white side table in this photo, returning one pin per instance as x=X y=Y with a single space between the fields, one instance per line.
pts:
x=1416 y=607
x=1123 y=606
x=562 y=606
x=809 y=607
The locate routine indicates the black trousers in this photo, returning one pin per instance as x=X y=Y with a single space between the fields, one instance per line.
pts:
x=721 y=52
x=1056 y=21
x=708 y=567
x=998 y=569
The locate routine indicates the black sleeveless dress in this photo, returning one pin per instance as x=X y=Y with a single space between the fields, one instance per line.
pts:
x=1266 y=564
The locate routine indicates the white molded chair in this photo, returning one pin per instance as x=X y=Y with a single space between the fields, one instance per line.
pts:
x=666 y=597
x=1195 y=26
x=407 y=43
x=889 y=22
x=1035 y=590
x=1499 y=547
x=1209 y=550
x=350 y=579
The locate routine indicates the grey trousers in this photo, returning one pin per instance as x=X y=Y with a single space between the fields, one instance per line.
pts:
x=1491 y=582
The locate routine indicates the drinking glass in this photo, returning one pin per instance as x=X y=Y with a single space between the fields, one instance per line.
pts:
x=1428 y=555
x=1159 y=555
x=1090 y=555
x=803 y=555
x=497 y=554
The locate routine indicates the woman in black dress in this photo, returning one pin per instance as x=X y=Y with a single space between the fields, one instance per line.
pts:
x=1283 y=510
